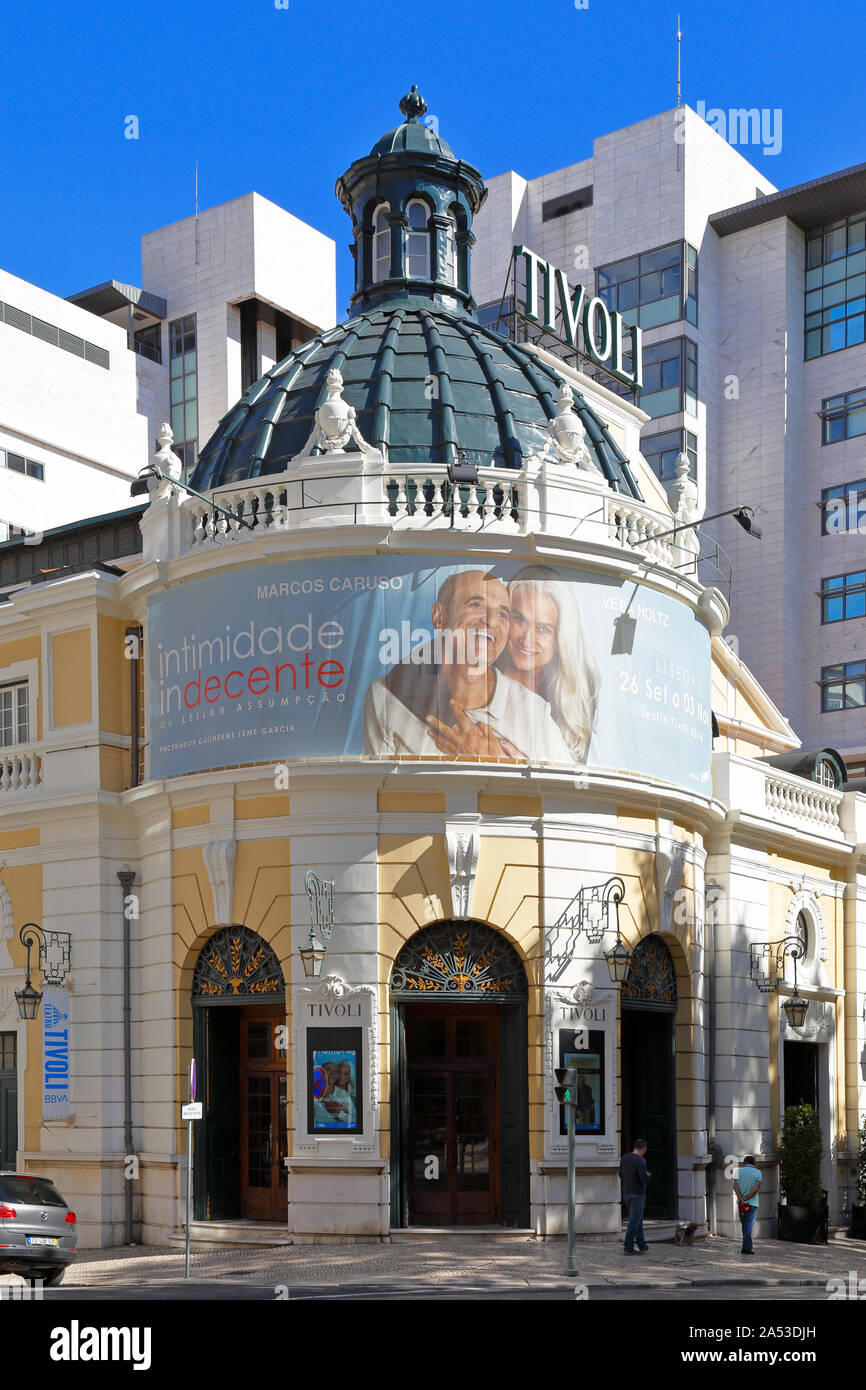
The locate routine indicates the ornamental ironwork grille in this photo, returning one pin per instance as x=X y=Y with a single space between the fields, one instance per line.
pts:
x=651 y=976
x=236 y=961
x=465 y=959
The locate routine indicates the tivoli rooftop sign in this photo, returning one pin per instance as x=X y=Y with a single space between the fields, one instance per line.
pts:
x=586 y=323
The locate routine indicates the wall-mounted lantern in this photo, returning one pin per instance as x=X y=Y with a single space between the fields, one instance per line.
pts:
x=53 y=962
x=593 y=911
x=321 y=894
x=768 y=981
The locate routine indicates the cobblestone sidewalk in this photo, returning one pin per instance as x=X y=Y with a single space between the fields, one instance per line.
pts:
x=535 y=1264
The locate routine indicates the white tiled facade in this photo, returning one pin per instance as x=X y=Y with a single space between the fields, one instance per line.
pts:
x=758 y=432
x=206 y=266
x=73 y=418
x=91 y=427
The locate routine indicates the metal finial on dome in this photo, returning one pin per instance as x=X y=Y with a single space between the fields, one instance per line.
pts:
x=413 y=104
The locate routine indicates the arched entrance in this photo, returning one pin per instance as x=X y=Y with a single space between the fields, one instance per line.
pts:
x=239 y=1042
x=648 y=1039
x=459 y=1080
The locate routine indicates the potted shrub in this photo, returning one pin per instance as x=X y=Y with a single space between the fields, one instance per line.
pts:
x=803 y=1216
x=858 y=1210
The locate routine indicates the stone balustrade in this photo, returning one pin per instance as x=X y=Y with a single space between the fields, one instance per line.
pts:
x=348 y=490
x=20 y=769
x=793 y=798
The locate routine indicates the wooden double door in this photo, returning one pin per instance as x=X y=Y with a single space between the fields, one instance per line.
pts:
x=452 y=1054
x=263 y=1095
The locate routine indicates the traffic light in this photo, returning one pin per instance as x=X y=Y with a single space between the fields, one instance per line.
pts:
x=566 y=1078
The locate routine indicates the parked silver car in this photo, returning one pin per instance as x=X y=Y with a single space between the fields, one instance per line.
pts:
x=37 y=1229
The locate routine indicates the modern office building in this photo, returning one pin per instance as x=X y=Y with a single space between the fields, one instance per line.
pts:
x=752 y=304
x=85 y=384
x=71 y=436
x=224 y=295
x=359 y=780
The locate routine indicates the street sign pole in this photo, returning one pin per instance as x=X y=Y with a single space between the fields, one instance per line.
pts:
x=566 y=1094
x=570 y=1116
x=191 y=1097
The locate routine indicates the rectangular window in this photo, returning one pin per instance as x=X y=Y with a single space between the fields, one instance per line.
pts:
x=835 y=308
x=656 y=287
x=670 y=378
x=19 y=464
x=8 y=1051
x=661 y=450
x=184 y=389
x=843 y=508
x=843 y=686
x=843 y=417
x=489 y=316
x=14 y=714
x=843 y=596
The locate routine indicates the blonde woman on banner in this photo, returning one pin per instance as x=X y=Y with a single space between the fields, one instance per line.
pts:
x=548 y=653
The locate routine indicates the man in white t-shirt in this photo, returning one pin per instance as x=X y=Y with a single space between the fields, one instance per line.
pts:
x=450 y=699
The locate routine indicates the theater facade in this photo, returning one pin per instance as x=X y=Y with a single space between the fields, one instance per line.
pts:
x=413 y=710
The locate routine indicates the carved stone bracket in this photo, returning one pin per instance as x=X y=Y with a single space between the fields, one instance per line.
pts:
x=6 y=927
x=670 y=861
x=219 y=858
x=8 y=1004
x=462 y=843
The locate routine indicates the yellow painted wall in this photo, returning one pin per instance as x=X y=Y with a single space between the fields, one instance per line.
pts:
x=414 y=890
x=71 y=678
x=17 y=839
x=114 y=676
x=261 y=807
x=190 y=815
x=115 y=769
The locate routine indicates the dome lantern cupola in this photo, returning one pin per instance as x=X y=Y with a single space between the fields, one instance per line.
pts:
x=411 y=378
x=411 y=202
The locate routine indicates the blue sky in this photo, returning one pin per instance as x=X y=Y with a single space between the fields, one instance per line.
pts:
x=282 y=100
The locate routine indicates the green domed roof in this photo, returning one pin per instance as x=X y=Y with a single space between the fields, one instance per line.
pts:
x=413 y=135
x=425 y=382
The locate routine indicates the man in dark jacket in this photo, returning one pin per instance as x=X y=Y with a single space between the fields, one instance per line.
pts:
x=634 y=1175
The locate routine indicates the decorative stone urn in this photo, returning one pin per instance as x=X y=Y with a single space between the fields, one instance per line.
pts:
x=335 y=422
x=566 y=434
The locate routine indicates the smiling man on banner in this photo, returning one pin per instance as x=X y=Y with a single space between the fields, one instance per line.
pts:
x=454 y=702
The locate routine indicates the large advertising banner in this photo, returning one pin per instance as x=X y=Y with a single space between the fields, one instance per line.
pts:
x=413 y=657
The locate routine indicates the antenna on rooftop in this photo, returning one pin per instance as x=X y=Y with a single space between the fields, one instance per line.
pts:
x=679 y=51
x=196 y=212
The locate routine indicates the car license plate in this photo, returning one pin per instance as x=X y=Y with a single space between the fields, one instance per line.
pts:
x=41 y=1240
